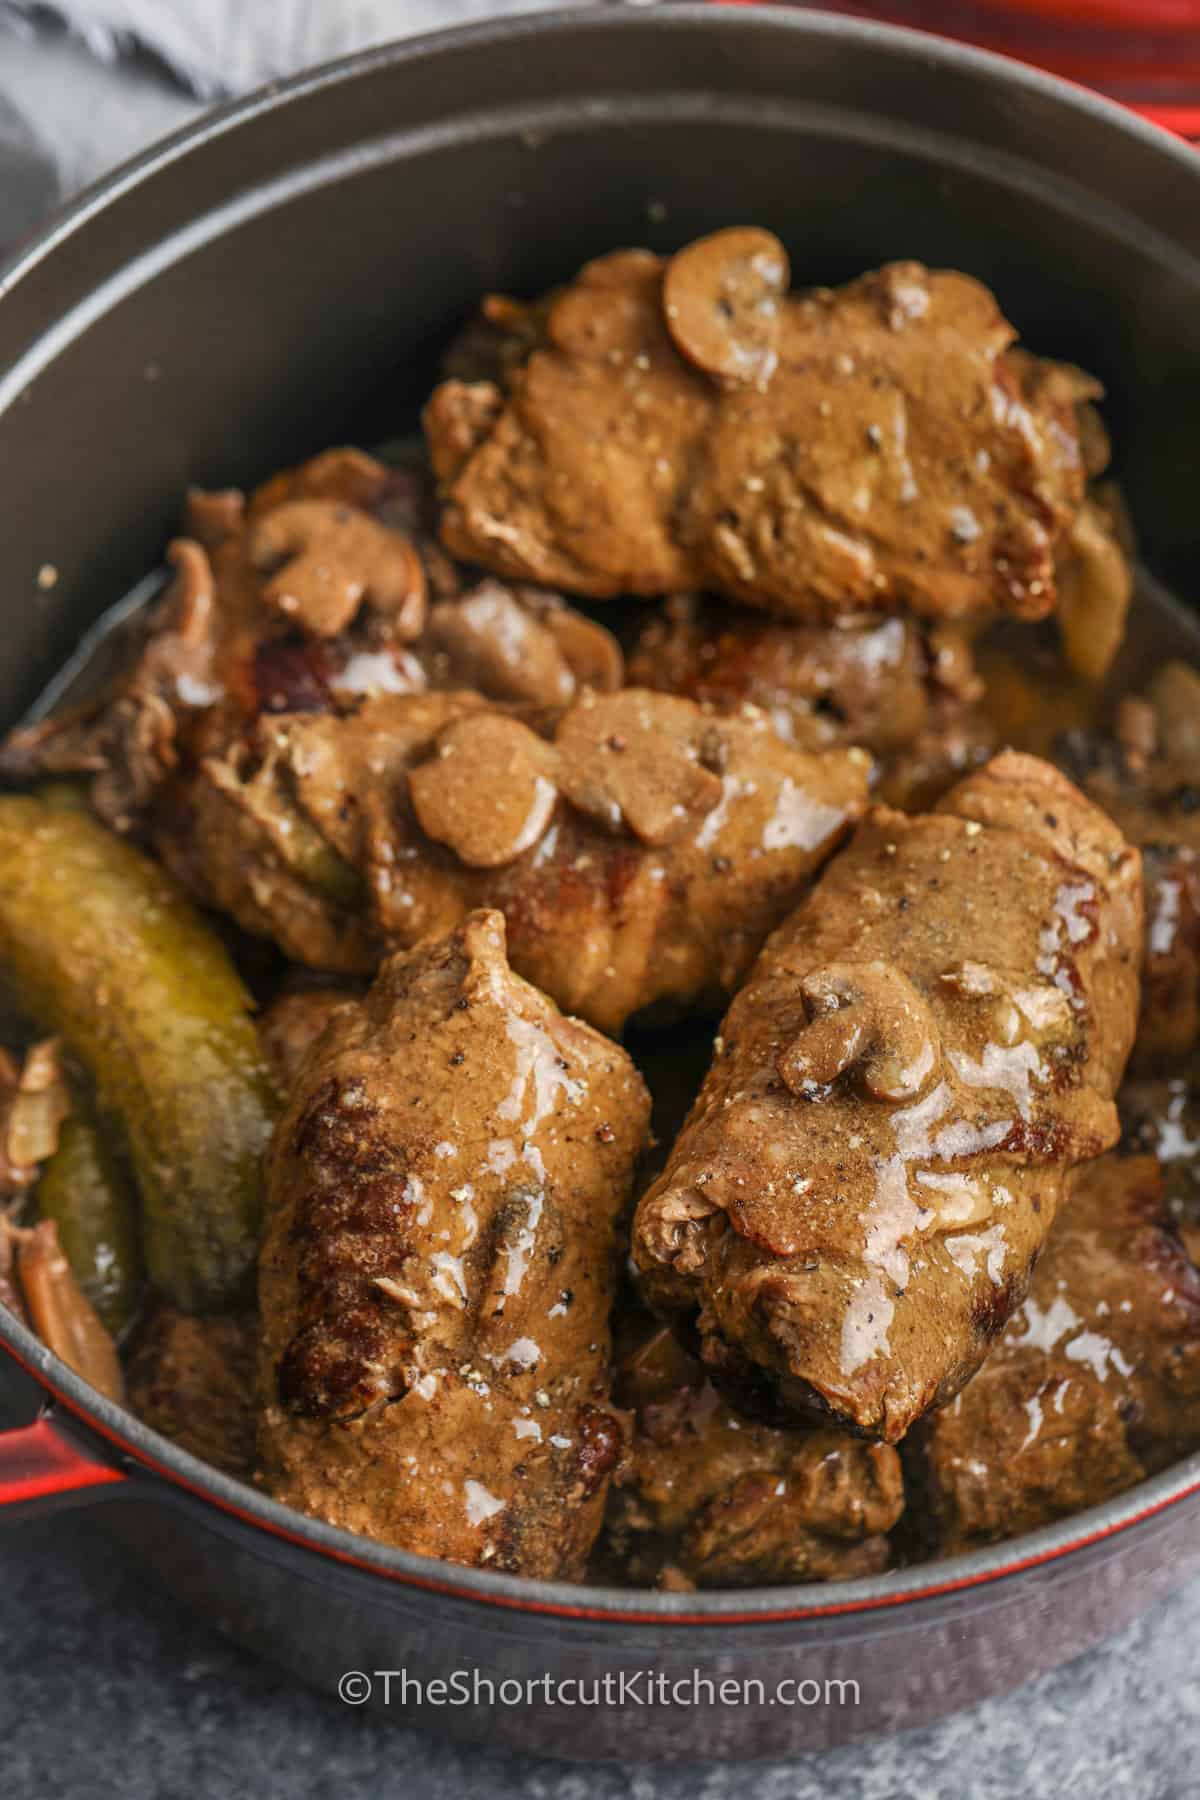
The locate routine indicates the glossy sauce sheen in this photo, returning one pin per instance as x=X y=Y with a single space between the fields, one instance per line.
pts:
x=919 y=1056
x=297 y=738
x=640 y=853
x=876 y=446
x=711 y=1498
x=437 y=1271
x=1095 y=1382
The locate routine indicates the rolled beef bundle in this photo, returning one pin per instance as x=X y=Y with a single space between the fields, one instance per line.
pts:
x=708 y=1498
x=1146 y=776
x=921 y=1054
x=1095 y=1382
x=686 y=422
x=640 y=849
x=442 y=1203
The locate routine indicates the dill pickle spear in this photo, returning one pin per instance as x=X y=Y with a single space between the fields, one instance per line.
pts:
x=87 y=1193
x=102 y=947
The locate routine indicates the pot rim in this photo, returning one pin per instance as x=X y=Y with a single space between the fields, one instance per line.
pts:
x=712 y=15
x=123 y=1435
x=133 y=1449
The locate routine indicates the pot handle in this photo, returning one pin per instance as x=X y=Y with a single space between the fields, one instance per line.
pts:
x=1184 y=121
x=44 y=1466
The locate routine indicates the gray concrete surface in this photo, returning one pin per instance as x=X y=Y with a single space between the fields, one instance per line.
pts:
x=109 y=1693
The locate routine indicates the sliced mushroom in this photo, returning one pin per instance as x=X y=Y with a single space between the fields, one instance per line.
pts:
x=593 y=654
x=60 y=1313
x=488 y=791
x=458 y=418
x=685 y=1226
x=601 y=314
x=640 y=761
x=344 y=473
x=325 y=559
x=212 y=515
x=188 y=604
x=1095 y=585
x=34 y=1101
x=1175 y=696
x=721 y=297
x=492 y=643
x=868 y=1017
x=37 y=1109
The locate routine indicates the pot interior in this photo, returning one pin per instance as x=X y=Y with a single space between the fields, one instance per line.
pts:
x=287 y=281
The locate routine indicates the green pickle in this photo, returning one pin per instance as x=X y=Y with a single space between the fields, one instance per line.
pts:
x=104 y=948
x=88 y=1194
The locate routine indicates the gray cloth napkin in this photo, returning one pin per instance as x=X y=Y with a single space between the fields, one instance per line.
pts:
x=104 y=78
x=219 y=47
x=28 y=178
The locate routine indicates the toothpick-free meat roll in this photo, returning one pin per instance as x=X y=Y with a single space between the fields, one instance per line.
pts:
x=1095 y=1382
x=640 y=847
x=921 y=1054
x=442 y=1202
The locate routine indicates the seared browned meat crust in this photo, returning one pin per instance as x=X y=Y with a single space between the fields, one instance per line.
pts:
x=1146 y=776
x=712 y=1499
x=641 y=853
x=907 y=693
x=1095 y=1382
x=877 y=682
x=193 y=1380
x=442 y=1200
x=1160 y=1117
x=686 y=424
x=322 y=587
x=922 y=1052
x=1170 y=1017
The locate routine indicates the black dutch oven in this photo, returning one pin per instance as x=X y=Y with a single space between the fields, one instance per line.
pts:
x=280 y=278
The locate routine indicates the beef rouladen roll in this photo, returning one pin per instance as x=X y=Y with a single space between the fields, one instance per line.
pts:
x=686 y=423
x=921 y=1053
x=878 y=682
x=1145 y=773
x=640 y=847
x=1094 y=1383
x=1161 y=1118
x=443 y=1194
x=708 y=1498
x=906 y=691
